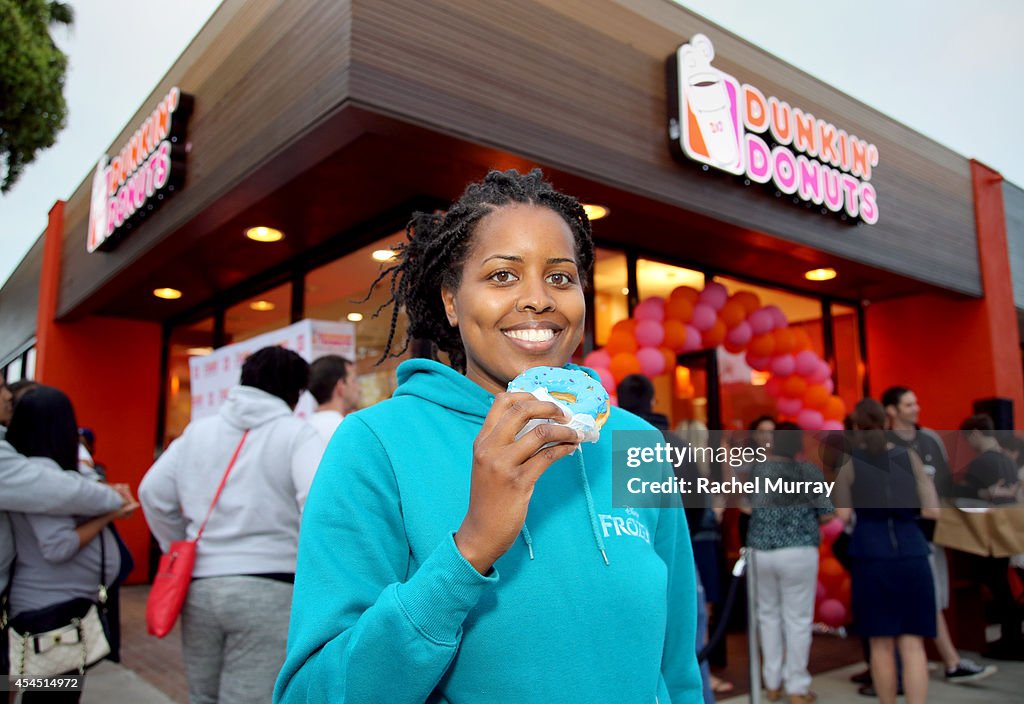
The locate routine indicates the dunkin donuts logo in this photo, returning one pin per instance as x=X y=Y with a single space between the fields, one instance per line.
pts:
x=733 y=127
x=135 y=181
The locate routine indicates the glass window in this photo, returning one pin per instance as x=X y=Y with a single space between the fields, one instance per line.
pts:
x=610 y=292
x=658 y=279
x=195 y=339
x=30 y=363
x=14 y=370
x=849 y=367
x=335 y=292
x=262 y=313
x=743 y=396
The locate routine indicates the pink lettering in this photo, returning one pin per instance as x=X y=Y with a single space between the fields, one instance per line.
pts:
x=810 y=179
x=833 y=190
x=759 y=165
x=850 y=191
x=785 y=169
x=868 y=203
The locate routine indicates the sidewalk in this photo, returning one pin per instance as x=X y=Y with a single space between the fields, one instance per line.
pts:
x=835 y=687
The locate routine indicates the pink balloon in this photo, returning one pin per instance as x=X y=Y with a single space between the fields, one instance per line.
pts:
x=806 y=363
x=714 y=295
x=830 y=531
x=789 y=406
x=820 y=373
x=778 y=317
x=761 y=364
x=607 y=380
x=652 y=361
x=783 y=365
x=740 y=335
x=649 y=333
x=773 y=387
x=598 y=359
x=832 y=425
x=650 y=310
x=820 y=593
x=829 y=384
x=704 y=317
x=809 y=419
x=693 y=339
x=613 y=399
x=832 y=613
x=761 y=321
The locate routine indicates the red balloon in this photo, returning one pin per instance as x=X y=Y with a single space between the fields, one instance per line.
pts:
x=762 y=345
x=747 y=299
x=831 y=574
x=675 y=335
x=715 y=335
x=621 y=341
x=679 y=309
x=624 y=364
x=785 y=341
x=732 y=314
x=832 y=613
x=835 y=409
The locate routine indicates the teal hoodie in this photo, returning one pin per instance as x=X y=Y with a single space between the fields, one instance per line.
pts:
x=386 y=609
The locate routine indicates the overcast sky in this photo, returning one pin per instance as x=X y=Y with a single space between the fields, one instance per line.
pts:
x=946 y=68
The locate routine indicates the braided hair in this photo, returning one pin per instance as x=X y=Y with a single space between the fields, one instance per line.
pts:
x=436 y=246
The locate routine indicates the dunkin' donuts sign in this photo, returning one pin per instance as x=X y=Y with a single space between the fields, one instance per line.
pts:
x=139 y=178
x=732 y=126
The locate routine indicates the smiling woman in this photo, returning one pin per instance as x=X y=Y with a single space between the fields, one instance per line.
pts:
x=422 y=500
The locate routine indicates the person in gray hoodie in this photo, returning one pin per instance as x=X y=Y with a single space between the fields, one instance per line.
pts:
x=39 y=485
x=235 y=618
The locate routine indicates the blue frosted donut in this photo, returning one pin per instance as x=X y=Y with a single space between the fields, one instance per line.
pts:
x=574 y=387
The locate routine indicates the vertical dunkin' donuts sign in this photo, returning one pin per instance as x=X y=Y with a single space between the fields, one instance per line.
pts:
x=149 y=168
x=733 y=127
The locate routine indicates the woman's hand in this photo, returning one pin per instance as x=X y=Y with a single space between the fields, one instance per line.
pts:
x=505 y=471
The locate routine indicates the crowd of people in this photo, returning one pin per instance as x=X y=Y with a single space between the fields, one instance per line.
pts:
x=445 y=554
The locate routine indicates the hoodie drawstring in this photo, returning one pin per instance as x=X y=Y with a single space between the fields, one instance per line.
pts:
x=591 y=511
x=527 y=539
x=590 y=507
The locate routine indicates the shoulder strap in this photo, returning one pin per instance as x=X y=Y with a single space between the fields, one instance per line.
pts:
x=220 y=488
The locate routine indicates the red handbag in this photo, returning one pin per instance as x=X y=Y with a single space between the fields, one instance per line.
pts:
x=174 y=574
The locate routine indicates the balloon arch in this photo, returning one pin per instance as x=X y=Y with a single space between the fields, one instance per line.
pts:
x=691 y=320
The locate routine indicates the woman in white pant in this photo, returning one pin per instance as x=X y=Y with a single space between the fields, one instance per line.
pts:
x=784 y=533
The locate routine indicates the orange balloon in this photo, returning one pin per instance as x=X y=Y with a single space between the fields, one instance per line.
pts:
x=679 y=309
x=762 y=345
x=845 y=592
x=686 y=293
x=831 y=574
x=747 y=299
x=624 y=364
x=794 y=386
x=835 y=409
x=785 y=341
x=628 y=326
x=733 y=347
x=675 y=335
x=802 y=340
x=732 y=314
x=621 y=341
x=816 y=397
x=670 y=360
x=715 y=335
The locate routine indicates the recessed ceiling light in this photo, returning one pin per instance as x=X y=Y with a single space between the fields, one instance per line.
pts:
x=820 y=274
x=261 y=306
x=383 y=255
x=625 y=291
x=169 y=294
x=595 y=212
x=199 y=351
x=264 y=234
x=355 y=317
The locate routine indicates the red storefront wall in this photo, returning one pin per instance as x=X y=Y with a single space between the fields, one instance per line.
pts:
x=949 y=350
x=110 y=368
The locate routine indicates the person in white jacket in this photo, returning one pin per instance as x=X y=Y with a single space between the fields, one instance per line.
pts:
x=235 y=619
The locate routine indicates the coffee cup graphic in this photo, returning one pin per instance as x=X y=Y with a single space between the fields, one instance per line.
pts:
x=708 y=99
